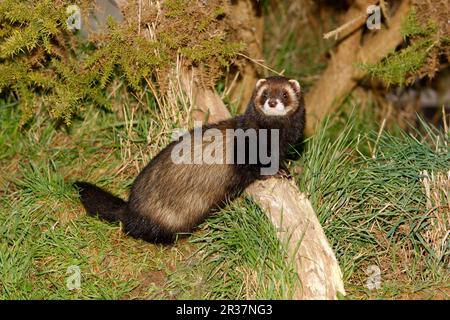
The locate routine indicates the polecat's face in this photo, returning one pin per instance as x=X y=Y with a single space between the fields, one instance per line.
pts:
x=277 y=96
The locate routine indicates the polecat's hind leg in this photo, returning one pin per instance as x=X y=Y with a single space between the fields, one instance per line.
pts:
x=140 y=227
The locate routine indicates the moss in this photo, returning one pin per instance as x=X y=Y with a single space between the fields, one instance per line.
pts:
x=395 y=68
x=411 y=26
x=205 y=23
x=44 y=64
x=423 y=45
x=175 y=8
x=173 y=41
x=215 y=47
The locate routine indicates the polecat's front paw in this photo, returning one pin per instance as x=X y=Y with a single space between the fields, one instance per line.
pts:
x=283 y=173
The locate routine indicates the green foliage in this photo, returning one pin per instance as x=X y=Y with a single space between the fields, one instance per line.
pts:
x=38 y=62
x=396 y=67
x=400 y=67
x=175 y=8
x=30 y=26
x=215 y=47
x=203 y=25
x=365 y=187
x=238 y=244
x=134 y=56
x=411 y=27
x=45 y=65
x=43 y=230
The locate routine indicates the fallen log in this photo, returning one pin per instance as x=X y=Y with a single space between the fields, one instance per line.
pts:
x=296 y=223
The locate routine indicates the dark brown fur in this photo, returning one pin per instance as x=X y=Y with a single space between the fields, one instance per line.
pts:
x=168 y=198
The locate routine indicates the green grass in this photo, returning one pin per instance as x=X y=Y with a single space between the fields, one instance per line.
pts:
x=238 y=256
x=367 y=191
x=365 y=185
x=43 y=228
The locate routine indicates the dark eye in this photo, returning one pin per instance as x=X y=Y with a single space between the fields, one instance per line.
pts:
x=265 y=95
x=285 y=95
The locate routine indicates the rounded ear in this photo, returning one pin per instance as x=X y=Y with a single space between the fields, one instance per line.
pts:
x=260 y=82
x=295 y=84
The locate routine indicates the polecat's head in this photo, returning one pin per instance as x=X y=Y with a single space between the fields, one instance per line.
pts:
x=277 y=96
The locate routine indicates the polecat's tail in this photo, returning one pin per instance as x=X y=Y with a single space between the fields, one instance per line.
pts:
x=99 y=202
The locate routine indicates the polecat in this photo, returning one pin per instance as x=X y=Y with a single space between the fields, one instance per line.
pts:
x=193 y=176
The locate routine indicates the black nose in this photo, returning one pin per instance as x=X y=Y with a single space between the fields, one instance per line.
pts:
x=272 y=103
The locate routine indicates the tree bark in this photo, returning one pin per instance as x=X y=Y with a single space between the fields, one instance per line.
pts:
x=248 y=22
x=204 y=99
x=342 y=74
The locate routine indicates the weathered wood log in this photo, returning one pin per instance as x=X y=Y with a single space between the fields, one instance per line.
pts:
x=296 y=223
